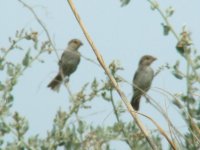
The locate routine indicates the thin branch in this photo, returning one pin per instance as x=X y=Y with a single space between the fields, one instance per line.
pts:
x=41 y=24
x=90 y=60
x=194 y=125
x=170 y=124
x=160 y=130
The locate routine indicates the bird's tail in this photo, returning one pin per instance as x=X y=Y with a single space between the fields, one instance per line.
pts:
x=135 y=102
x=55 y=83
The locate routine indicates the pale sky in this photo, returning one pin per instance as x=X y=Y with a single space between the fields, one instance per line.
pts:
x=119 y=33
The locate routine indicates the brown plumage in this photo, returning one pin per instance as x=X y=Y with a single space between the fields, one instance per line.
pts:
x=68 y=63
x=142 y=79
x=55 y=82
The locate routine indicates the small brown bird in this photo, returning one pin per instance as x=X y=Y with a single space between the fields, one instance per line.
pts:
x=67 y=64
x=142 y=79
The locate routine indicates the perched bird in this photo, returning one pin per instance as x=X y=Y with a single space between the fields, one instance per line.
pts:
x=67 y=64
x=142 y=79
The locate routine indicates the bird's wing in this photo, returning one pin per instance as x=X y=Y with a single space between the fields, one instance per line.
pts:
x=135 y=76
x=135 y=79
x=69 y=62
x=69 y=57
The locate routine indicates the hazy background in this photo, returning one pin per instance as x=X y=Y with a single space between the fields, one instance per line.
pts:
x=123 y=34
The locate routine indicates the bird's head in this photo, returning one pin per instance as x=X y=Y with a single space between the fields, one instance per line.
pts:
x=146 y=60
x=75 y=44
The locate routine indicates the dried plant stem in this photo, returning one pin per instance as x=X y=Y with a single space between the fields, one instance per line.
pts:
x=160 y=130
x=194 y=125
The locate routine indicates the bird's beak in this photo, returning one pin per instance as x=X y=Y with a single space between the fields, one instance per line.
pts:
x=154 y=58
x=81 y=43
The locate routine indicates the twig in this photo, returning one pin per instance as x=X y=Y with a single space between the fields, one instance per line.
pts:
x=117 y=117
x=189 y=117
x=170 y=124
x=113 y=81
x=90 y=60
x=11 y=47
x=41 y=24
x=69 y=90
x=160 y=129
x=164 y=18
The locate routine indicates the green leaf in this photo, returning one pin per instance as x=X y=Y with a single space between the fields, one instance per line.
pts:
x=118 y=127
x=189 y=99
x=10 y=70
x=125 y=2
x=176 y=72
x=177 y=75
x=10 y=98
x=169 y=11
x=26 y=59
x=81 y=127
x=166 y=29
x=36 y=44
x=1 y=87
x=13 y=81
x=154 y=5
x=1 y=63
x=180 y=47
x=4 y=128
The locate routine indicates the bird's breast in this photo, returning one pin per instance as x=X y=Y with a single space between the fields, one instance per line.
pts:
x=144 y=77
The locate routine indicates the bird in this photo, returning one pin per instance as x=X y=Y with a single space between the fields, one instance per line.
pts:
x=68 y=63
x=142 y=79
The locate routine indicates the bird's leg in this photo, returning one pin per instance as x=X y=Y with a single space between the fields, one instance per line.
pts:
x=66 y=79
x=147 y=98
